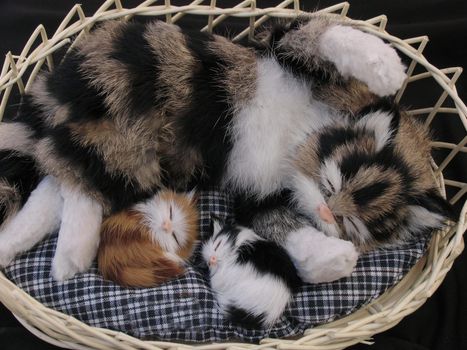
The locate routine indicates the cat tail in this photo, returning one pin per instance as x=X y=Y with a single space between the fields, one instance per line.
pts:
x=158 y=271
x=137 y=265
x=19 y=175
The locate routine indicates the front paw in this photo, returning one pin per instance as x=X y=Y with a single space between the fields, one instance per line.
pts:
x=319 y=258
x=365 y=57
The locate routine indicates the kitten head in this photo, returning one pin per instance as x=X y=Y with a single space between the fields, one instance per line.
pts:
x=369 y=181
x=172 y=219
x=219 y=250
x=222 y=248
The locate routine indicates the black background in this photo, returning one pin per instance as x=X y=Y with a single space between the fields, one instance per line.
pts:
x=441 y=323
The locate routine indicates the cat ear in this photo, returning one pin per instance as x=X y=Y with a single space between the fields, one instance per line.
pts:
x=383 y=119
x=216 y=224
x=429 y=211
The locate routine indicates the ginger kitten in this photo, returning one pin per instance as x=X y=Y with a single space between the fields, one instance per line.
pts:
x=149 y=244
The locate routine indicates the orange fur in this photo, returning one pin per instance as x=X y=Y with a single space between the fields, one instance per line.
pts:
x=128 y=255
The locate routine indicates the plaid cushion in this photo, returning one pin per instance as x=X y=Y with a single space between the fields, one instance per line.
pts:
x=185 y=310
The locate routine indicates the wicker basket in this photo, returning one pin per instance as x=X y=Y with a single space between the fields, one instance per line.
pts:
x=18 y=72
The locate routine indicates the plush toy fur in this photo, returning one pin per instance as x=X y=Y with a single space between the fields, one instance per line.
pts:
x=139 y=107
x=252 y=279
x=150 y=243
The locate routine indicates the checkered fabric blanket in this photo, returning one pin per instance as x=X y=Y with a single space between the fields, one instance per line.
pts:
x=185 y=309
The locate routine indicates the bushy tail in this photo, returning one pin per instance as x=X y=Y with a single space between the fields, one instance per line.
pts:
x=128 y=256
x=18 y=178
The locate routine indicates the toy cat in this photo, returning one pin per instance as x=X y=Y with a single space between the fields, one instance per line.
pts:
x=252 y=279
x=134 y=108
x=150 y=243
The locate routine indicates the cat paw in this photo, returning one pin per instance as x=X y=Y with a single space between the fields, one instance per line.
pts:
x=5 y=258
x=365 y=57
x=320 y=258
x=65 y=267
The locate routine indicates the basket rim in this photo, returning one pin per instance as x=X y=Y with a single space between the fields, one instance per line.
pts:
x=386 y=311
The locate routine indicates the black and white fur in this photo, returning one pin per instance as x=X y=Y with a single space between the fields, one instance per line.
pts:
x=253 y=279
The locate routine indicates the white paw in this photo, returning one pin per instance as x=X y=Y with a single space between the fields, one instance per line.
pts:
x=319 y=258
x=67 y=266
x=365 y=57
x=5 y=257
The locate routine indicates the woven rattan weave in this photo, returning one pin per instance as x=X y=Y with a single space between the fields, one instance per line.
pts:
x=20 y=70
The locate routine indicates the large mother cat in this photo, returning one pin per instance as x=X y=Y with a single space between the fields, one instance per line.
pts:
x=134 y=108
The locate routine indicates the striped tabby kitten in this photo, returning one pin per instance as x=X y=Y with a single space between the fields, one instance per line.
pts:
x=134 y=108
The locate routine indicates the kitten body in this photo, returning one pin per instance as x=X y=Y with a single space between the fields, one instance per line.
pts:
x=253 y=279
x=150 y=243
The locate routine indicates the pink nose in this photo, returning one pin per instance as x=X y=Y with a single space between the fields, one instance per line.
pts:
x=212 y=261
x=325 y=214
x=167 y=226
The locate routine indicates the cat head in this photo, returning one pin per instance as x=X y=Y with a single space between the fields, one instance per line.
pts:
x=172 y=218
x=222 y=248
x=369 y=180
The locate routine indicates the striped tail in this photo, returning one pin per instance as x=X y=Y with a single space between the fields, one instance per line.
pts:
x=18 y=178
x=19 y=175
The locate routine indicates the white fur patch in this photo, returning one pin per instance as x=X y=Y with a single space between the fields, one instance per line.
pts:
x=320 y=258
x=15 y=136
x=421 y=218
x=331 y=172
x=308 y=197
x=39 y=217
x=267 y=130
x=78 y=238
x=380 y=123
x=156 y=212
x=365 y=57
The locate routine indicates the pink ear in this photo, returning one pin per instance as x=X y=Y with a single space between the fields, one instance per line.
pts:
x=325 y=214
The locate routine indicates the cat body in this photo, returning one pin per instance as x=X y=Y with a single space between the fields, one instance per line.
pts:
x=253 y=279
x=135 y=108
x=150 y=243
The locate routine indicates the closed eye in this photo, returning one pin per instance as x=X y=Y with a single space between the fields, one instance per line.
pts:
x=170 y=213
x=175 y=237
x=217 y=245
x=326 y=190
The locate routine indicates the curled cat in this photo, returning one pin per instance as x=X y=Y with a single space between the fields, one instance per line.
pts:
x=150 y=243
x=252 y=279
x=139 y=107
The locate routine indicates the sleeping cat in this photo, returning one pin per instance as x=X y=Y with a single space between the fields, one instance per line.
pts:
x=252 y=279
x=150 y=243
x=134 y=108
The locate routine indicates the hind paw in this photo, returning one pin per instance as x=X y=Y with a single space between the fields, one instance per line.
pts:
x=63 y=267
x=5 y=258
x=365 y=57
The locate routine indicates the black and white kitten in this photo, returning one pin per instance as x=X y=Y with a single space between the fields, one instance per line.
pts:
x=253 y=279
